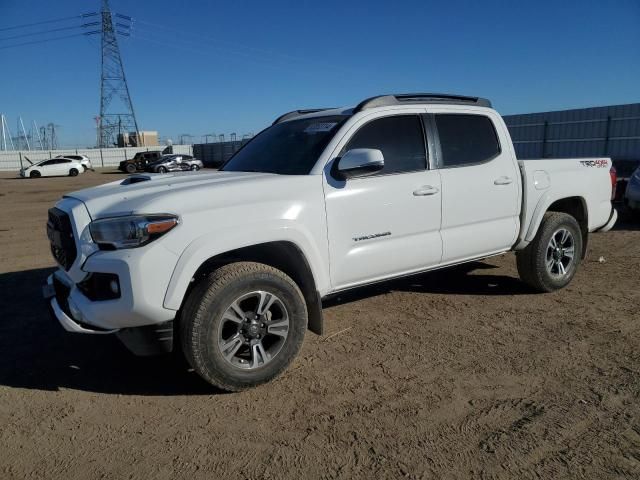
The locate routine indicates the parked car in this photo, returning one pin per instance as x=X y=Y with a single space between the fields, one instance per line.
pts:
x=139 y=161
x=632 y=194
x=83 y=159
x=174 y=163
x=53 y=167
x=238 y=261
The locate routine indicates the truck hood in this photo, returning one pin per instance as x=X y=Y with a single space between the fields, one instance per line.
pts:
x=152 y=193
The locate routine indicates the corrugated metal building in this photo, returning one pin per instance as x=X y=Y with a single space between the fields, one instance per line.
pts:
x=612 y=131
x=215 y=154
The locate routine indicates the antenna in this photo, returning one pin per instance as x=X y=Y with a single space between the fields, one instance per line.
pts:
x=115 y=117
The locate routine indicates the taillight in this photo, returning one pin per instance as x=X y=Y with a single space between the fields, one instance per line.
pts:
x=614 y=181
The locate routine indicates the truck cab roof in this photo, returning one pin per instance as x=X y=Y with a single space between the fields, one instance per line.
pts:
x=395 y=99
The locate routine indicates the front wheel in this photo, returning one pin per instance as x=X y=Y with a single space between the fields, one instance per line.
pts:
x=243 y=325
x=35 y=174
x=550 y=261
x=195 y=168
x=162 y=170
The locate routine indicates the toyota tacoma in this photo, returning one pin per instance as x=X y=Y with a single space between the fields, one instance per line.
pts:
x=231 y=267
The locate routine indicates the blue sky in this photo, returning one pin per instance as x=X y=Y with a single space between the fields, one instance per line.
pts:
x=203 y=66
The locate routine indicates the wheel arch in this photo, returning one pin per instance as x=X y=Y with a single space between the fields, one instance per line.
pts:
x=283 y=255
x=576 y=206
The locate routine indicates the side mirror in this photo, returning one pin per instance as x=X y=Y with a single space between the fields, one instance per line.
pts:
x=359 y=162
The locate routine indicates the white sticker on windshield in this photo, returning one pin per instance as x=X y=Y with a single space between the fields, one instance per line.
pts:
x=320 y=127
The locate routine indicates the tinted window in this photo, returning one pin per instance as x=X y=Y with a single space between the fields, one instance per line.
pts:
x=287 y=148
x=400 y=140
x=466 y=139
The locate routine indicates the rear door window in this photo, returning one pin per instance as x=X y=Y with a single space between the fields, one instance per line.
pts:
x=466 y=139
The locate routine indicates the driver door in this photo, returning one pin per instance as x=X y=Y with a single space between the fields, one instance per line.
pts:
x=386 y=224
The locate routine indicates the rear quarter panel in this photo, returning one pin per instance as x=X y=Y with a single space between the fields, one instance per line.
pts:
x=547 y=180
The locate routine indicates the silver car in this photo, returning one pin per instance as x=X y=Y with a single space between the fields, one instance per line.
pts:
x=174 y=163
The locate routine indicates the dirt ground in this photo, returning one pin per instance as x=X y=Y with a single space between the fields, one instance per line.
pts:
x=457 y=374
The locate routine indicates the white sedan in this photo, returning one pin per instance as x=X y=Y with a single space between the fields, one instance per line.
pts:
x=83 y=159
x=53 y=168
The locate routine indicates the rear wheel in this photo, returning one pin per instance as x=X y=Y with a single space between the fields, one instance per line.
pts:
x=243 y=325
x=550 y=261
x=35 y=174
x=130 y=168
x=195 y=167
x=73 y=172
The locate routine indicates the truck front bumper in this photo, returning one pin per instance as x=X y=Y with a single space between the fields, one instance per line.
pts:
x=74 y=312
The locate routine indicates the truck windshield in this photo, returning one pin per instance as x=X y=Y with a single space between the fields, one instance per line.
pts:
x=287 y=148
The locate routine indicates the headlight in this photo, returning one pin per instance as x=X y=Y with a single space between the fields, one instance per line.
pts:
x=131 y=231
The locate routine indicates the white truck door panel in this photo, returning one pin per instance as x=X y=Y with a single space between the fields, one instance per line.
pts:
x=387 y=224
x=480 y=187
x=378 y=227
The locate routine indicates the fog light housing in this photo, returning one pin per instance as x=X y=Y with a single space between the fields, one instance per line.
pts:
x=101 y=286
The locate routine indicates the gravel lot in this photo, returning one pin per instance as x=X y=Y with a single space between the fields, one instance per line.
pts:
x=456 y=374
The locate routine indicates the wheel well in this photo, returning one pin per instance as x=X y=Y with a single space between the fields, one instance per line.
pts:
x=284 y=256
x=577 y=208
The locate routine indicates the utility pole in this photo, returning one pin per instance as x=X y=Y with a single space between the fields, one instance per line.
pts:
x=115 y=116
x=24 y=133
x=37 y=132
x=6 y=132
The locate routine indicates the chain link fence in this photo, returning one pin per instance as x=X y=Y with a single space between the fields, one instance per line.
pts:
x=100 y=157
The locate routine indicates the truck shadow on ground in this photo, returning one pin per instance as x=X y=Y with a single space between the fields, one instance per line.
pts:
x=459 y=280
x=39 y=354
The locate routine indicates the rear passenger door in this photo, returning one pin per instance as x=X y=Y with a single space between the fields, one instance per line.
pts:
x=480 y=186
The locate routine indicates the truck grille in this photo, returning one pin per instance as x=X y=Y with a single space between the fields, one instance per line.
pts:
x=60 y=233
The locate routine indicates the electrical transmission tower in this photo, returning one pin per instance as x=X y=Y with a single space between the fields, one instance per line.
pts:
x=116 y=109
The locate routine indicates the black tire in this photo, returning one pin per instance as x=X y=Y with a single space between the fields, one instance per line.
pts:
x=130 y=168
x=201 y=322
x=195 y=168
x=162 y=170
x=34 y=174
x=84 y=168
x=73 y=172
x=532 y=261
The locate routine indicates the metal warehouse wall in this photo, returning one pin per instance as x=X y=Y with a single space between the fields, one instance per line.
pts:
x=215 y=154
x=612 y=131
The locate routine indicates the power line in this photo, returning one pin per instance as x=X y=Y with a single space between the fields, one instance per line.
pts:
x=43 y=41
x=40 y=23
x=41 y=32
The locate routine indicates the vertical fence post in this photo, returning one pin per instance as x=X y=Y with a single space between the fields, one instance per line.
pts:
x=125 y=154
x=606 y=138
x=20 y=153
x=101 y=158
x=544 y=138
x=50 y=157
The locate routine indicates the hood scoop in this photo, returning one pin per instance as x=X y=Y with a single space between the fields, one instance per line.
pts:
x=135 y=179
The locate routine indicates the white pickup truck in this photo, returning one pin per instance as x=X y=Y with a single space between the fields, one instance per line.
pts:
x=232 y=266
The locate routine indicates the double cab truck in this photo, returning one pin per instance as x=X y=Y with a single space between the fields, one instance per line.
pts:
x=231 y=267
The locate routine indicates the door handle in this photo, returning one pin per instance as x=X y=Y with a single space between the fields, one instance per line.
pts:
x=426 y=190
x=503 y=181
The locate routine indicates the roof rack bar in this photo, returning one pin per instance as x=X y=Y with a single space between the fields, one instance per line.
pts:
x=404 y=98
x=297 y=113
